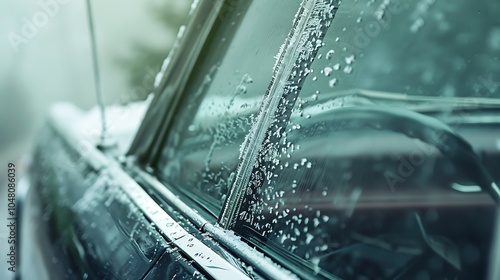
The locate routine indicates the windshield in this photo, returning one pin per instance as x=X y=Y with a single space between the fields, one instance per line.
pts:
x=347 y=183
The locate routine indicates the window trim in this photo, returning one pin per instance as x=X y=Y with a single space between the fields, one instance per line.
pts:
x=287 y=58
x=185 y=52
x=248 y=254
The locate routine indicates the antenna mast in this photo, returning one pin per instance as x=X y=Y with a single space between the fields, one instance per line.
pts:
x=104 y=141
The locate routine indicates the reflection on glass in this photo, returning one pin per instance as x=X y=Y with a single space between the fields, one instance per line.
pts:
x=346 y=185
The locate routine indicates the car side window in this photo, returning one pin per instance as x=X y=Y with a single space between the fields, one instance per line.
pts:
x=222 y=98
x=337 y=192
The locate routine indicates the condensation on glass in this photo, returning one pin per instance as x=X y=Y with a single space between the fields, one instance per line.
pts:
x=222 y=98
x=353 y=198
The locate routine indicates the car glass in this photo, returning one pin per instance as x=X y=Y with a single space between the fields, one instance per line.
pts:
x=424 y=48
x=222 y=98
x=337 y=193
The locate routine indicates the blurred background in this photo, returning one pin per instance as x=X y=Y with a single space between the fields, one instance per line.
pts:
x=45 y=57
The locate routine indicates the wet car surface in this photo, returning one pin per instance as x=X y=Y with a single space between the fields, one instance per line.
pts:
x=287 y=139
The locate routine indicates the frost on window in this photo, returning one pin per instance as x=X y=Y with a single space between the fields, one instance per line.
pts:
x=221 y=99
x=341 y=190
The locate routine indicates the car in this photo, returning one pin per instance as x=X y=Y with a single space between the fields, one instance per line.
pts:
x=298 y=139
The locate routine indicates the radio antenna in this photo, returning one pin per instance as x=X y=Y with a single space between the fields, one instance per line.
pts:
x=104 y=141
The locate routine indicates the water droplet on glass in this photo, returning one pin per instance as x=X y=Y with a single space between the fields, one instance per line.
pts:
x=349 y=59
x=329 y=54
x=332 y=82
x=417 y=24
x=327 y=71
x=309 y=237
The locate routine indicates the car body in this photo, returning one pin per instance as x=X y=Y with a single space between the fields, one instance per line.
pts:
x=286 y=139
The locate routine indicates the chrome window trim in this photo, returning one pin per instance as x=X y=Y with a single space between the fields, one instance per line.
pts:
x=207 y=259
x=226 y=237
x=284 y=65
x=149 y=138
x=174 y=200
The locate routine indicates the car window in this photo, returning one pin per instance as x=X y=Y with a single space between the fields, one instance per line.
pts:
x=343 y=187
x=222 y=97
x=426 y=48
